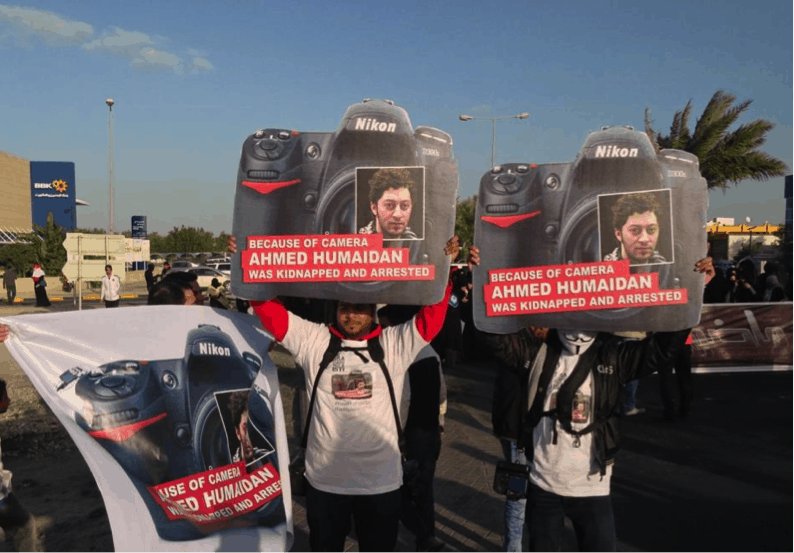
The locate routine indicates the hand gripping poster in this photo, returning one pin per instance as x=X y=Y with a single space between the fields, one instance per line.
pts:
x=608 y=242
x=177 y=412
x=360 y=214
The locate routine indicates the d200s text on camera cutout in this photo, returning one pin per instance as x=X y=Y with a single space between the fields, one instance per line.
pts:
x=575 y=287
x=328 y=258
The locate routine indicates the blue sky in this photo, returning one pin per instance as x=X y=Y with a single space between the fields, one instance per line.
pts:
x=192 y=79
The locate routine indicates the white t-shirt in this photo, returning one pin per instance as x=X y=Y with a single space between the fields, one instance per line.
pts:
x=352 y=447
x=562 y=468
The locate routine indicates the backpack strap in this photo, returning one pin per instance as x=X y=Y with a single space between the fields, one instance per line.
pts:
x=377 y=354
x=333 y=349
x=563 y=412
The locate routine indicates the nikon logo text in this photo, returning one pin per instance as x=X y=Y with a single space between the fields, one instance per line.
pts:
x=610 y=150
x=212 y=349
x=372 y=124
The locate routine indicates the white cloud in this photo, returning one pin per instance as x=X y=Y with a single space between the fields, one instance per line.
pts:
x=144 y=52
x=139 y=48
x=200 y=65
x=45 y=25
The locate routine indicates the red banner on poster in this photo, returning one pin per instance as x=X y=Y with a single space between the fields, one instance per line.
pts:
x=219 y=494
x=575 y=287
x=743 y=335
x=328 y=258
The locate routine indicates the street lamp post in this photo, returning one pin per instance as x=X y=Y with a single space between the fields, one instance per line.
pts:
x=110 y=103
x=522 y=115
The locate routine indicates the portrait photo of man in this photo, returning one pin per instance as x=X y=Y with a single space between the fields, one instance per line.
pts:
x=390 y=201
x=636 y=226
x=245 y=442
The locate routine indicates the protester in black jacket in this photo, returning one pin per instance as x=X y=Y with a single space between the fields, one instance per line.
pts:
x=570 y=428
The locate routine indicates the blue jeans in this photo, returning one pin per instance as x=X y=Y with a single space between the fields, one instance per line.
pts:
x=592 y=520
x=514 y=510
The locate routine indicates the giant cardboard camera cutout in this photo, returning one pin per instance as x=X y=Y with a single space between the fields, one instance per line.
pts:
x=162 y=422
x=360 y=214
x=608 y=242
x=179 y=418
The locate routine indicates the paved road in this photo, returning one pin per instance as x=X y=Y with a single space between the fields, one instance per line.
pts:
x=720 y=482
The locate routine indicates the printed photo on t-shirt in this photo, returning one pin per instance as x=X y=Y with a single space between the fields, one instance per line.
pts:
x=580 y=410
x=353 y=385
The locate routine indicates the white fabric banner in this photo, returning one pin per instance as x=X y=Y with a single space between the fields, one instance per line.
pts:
x=178 y=414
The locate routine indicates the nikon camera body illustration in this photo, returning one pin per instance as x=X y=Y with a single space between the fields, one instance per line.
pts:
x=531 y=215
x=304 y=183
x=159 y=419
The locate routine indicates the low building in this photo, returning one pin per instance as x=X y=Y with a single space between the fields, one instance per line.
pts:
x=16 y=212
x=727 y=239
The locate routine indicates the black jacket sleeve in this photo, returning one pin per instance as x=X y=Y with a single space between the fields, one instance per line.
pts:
x=514 y=350
x=515 y=353
x=637 y=359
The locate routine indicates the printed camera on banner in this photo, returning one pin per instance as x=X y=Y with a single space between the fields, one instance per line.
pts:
x=608 y=242
x=361 y=214
x=200 y=451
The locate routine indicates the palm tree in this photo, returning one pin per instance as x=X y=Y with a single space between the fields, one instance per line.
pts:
x=724 y=156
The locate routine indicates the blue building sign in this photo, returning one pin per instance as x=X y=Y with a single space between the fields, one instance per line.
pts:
x=52 y=189
x=139 y=226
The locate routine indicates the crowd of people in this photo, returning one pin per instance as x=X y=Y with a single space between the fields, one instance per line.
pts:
x=743 y=284
x=374 y=430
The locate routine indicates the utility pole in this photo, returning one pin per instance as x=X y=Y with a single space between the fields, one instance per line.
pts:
x=110 y=103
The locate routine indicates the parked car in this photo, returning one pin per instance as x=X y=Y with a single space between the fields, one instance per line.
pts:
x=223 y=266
x=206 y=274
x=183 y=265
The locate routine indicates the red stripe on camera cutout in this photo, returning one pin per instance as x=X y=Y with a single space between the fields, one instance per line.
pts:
x=125 y=432
x=504 y=222
x=268 y=187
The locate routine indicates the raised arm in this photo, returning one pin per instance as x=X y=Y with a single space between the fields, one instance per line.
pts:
x=430 y=318
x=274 y=317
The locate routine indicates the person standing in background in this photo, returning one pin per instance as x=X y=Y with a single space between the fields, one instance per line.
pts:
x=10 y=284
x=111 y=285
x=40 y=286
x=149 y=276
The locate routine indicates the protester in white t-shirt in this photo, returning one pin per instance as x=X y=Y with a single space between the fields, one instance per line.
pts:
x=353 y=460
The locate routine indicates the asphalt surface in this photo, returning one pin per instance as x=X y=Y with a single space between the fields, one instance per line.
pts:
x=720 y=481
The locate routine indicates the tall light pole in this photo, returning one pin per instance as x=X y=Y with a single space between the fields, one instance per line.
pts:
x=110 y=103
x=522 y=115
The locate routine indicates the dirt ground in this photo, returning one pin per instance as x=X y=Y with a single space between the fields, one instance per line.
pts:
x=50 y=477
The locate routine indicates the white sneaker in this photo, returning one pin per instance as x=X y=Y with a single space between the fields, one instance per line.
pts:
x=634 y=411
